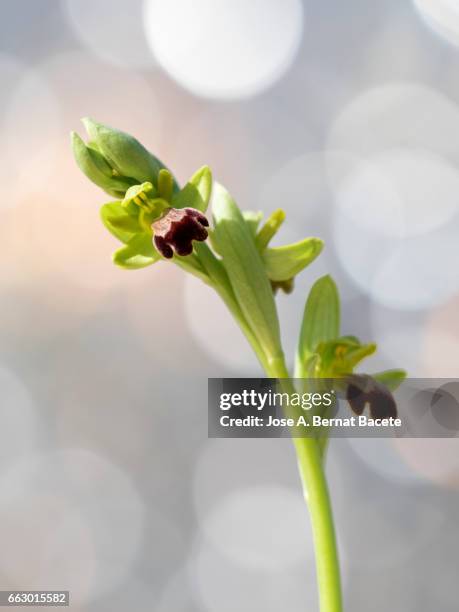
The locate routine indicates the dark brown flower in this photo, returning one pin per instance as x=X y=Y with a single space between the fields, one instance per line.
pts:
x=176 y=230
x=362 y=390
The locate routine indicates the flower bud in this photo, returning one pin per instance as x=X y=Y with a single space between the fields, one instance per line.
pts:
x=176 y=230
x=124 y=153
x=95 y=167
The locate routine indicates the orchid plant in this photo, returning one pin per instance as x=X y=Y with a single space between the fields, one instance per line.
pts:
x=156 y=219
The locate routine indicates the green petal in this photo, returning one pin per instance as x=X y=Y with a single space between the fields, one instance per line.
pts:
x=246 y=271
x=196 y=193
x=392 y=379
x=321 y=321
x=119 y=222
x=285 y=262
x=138 y=253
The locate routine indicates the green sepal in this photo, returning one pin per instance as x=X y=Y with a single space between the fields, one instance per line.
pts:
x=139 y=252
x=285 y=262
x=96 y=169
x=246 y=271
x=321 y=320
x=124 y=153
x=197 y=191
x=120 y=222
x=392 y=379
x=269 y=229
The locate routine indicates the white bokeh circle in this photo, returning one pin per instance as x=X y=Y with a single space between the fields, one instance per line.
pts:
x=412 y=273
x=19 y=434
x=112 y=30
x=85 y=520
x=435 y=459
x=242 y=527
x=29 y=141
x=380 y=456
x=224 y=49
x=222 y=586
x=442 y=16
x=397 y=115
x=400 y=192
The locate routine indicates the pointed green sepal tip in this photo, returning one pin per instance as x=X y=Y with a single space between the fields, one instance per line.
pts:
x=197 y=191
x=269 y=229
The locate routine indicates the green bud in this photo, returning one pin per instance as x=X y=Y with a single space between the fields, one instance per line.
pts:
x=124 y=153
x=94 y=166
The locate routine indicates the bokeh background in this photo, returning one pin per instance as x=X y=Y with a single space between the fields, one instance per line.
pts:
x=344 y=113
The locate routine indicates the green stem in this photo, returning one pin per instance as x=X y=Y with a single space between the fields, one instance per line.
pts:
x=318 y=500
x=307 y=449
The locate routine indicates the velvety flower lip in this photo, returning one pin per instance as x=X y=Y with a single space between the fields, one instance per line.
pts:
x=363 y=389
x=176 y=230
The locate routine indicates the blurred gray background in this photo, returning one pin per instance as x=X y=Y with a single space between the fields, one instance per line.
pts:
x=344 y=113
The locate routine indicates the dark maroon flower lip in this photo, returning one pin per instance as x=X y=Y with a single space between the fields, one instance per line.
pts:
x=176 y=230
x=363 y=389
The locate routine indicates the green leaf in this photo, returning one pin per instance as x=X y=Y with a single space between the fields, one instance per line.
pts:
x=253 y=220
x=120 y=222
x=321 y=321
x=138 y=253
x=269 y=229
x=246 y=271
x=392 y=379
x=196 y=193
x=285 y=262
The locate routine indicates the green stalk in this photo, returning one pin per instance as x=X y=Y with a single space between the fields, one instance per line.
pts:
x=317 y=498
x=307 y=450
